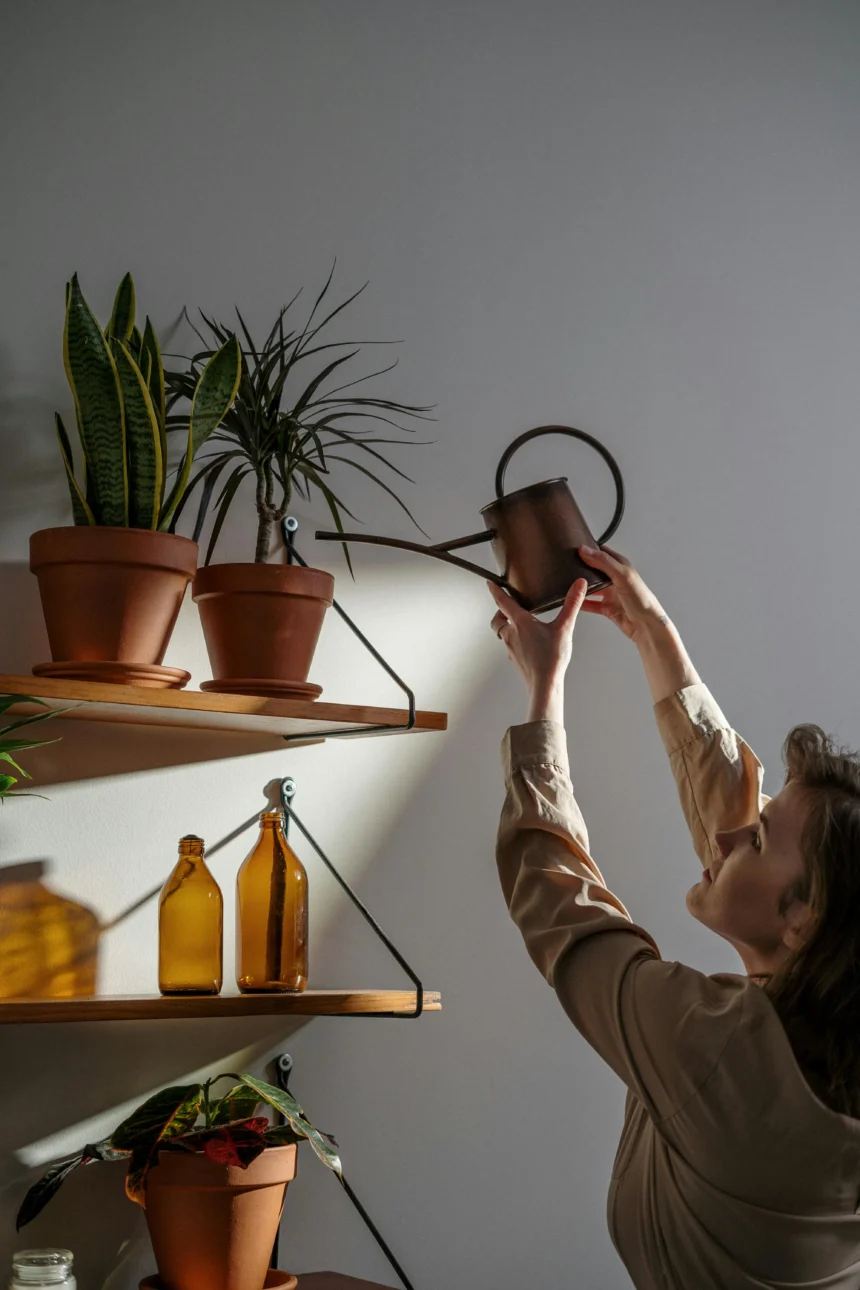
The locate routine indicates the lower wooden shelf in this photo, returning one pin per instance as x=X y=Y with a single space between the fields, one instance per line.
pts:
x=156 y=1007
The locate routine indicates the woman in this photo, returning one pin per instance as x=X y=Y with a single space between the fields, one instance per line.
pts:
x=739 y=1163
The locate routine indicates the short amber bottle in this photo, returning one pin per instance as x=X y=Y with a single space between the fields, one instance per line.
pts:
x=190 y=926
x=272 y=914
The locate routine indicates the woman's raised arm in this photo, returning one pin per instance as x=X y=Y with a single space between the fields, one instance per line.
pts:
x=717 y=774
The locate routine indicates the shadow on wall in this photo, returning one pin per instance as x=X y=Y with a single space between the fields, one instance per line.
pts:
x=49 y=944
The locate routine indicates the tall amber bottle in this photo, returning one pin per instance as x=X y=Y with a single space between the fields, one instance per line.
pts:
x=272 y=914
x=190 y=926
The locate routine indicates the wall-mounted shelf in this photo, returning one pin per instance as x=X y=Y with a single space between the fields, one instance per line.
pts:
x=145 y=1007
x=191 y=709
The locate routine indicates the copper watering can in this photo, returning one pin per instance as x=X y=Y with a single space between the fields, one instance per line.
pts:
x=536 y=533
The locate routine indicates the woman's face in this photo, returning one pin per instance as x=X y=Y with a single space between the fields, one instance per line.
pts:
x=740 y=895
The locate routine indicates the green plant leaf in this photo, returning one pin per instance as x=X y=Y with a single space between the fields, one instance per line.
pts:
x=122 y=319
x=94 y=381
x=293 y=1114
x=227 y=495
x=80 y=510
x=7 y=783
x=165 y=1115
x=155 y=381
x=34 y=717
x=143 y=443
x=213 y=396
x=239 y=1103
x=22 y=745
x=8 y=701
x=51 y=1181
x=281 y=1135
x=5 y=756
x=135 y=344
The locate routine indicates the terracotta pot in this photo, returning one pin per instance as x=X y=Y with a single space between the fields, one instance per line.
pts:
x=111 y=594
x=213 y=1226
x=262 y=621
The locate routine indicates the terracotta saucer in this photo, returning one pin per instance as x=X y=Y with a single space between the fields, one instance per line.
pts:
x=275 y=1280
x=148 y=675
x=266 y=689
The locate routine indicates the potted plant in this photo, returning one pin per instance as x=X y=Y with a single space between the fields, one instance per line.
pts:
x=111 y=585
x=287 y=430
x=210 y=1174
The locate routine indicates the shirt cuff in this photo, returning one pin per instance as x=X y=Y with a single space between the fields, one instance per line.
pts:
x=537 y=743
x=687 y=716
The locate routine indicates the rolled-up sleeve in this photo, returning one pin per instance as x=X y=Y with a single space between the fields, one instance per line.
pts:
x=718 y=775
x=660 y=1026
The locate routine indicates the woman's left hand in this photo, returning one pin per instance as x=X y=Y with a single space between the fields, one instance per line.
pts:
x=541 y=651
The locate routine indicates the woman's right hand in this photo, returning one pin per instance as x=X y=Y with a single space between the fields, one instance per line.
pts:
x=628 y=603
x=633 y=607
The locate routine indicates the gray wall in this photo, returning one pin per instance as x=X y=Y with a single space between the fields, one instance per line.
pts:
x=641 y=219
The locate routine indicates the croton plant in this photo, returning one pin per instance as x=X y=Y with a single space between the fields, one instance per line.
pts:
x=186 y=1118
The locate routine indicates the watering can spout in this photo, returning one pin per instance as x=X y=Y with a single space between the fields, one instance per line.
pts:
x=440 y=551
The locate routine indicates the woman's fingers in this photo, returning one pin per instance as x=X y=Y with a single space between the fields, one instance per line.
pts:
x=508 y=606
x=609 y=562
x=573 y=602
x=498 y=622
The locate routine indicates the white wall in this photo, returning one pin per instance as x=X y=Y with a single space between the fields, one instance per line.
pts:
x=641 y=219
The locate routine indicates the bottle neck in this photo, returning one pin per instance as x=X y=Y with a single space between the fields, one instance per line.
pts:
x=191 y=847
x=272 y=820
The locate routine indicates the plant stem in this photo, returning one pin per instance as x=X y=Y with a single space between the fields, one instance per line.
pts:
x=264 y=518
x=207 y=1106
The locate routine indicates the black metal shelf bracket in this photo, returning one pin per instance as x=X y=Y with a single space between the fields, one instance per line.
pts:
x=288 y=792
x=283 y=1070
x=289 y=526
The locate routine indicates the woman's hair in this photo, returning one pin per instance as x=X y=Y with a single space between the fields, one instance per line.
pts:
x=817 y=993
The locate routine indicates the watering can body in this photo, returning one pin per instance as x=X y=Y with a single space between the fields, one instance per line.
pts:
x=536 y=533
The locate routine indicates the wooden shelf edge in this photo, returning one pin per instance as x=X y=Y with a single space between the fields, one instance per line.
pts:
x=311 y=1003
x=194 y=709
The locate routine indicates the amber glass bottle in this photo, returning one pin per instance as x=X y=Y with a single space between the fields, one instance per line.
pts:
x=272 y=914
x=190 y=926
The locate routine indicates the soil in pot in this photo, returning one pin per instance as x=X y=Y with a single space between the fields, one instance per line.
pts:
x=111 y=595
x=213 y=1225
x=262 y=623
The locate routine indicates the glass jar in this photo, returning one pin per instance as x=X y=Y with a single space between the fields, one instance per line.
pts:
x=272 y=914
x=42 y=1268
x=190 y=926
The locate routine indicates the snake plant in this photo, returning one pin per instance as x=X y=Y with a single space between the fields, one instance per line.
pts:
x=117 y=382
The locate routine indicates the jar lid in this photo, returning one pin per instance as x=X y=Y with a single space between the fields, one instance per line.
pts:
x=42 y=1267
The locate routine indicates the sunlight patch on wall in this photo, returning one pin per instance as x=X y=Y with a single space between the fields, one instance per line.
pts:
x=112 y=839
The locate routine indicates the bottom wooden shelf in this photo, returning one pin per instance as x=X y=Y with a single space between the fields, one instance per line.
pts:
x=156 y=1007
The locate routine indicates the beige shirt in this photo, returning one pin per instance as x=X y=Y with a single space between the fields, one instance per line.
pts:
x=730 y=1172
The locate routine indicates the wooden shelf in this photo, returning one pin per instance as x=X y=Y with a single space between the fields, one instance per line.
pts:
x=192 y=709
x=156 y=1007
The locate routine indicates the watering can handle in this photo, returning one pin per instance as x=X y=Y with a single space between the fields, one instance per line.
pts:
x=574 y=434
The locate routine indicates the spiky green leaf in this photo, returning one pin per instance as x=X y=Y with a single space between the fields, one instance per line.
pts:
x=80 y=509
x=94 y=382
x=213 y=396
x=121 y=322
x=155 y=381
x=143 y=443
